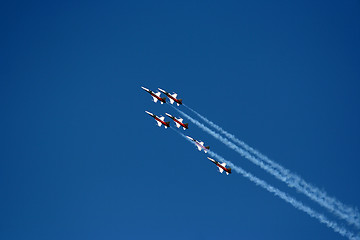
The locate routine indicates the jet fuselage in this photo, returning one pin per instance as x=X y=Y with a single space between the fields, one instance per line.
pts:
x=162 y=122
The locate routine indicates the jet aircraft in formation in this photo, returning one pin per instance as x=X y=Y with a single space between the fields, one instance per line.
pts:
x=222 y=166
x=156 y=96
x=172 y=97
x=179 y=123
x=159 y=120
x=199 y=145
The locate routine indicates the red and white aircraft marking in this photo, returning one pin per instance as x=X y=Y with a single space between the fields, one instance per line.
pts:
x=156 y=96
x=222 y=167
x=199 y=145
x=159 y=120
x=172 y=97
x=178 y=121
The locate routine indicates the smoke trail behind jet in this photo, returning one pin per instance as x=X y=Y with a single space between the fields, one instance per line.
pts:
x=292 y=180
x=282 y=195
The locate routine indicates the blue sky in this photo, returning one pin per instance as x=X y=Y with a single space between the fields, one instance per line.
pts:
x=80 y=159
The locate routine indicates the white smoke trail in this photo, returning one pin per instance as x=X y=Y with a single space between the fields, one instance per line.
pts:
x=292 y=180
x=295 y=203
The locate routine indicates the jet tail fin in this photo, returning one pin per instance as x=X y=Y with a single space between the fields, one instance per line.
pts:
x=207 y=147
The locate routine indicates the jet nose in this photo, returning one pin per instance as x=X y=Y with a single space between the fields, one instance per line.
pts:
x=145 y=89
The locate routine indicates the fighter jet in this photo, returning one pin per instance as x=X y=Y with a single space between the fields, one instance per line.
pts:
x=178 y=121
x=159 y=120
x=222 y=167
x=200 y=145
x=156 y=96
x=172 y=97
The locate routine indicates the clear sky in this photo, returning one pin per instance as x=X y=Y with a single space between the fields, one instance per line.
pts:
x=80 y=159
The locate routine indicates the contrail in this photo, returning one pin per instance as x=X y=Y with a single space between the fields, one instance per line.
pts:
x=292 y=180
x=295 y=203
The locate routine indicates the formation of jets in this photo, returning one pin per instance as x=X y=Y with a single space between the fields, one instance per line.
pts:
x=160 y=120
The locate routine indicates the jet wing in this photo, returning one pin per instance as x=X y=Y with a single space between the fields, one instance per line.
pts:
x=177 y=125
x=155 y=99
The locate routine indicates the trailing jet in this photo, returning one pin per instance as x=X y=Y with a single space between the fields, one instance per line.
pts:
x=200 y=145
x=156 y=96
x=159 y=120
x=178 y=121
x=222 y=167
x=172 y=97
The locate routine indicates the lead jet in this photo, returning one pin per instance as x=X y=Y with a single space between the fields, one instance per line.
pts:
x=156 y=96
x=199 y=145
x=222 y=167
x=178 y=121
x=172 y=97
x=159 y=120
